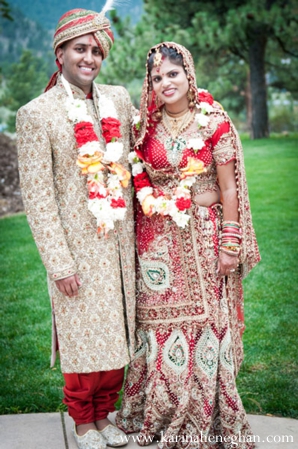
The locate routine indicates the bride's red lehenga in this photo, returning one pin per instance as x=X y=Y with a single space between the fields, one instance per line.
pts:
x=181 y=385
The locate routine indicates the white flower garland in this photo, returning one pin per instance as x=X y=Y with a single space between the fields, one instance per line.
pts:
x=106 y=200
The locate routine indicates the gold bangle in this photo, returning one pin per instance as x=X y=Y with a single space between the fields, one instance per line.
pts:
x=232 y=248
x=230 y=253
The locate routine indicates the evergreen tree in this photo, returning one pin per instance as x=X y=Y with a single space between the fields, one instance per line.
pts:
x=27 y=80
x=242 y=28
x=5 y=10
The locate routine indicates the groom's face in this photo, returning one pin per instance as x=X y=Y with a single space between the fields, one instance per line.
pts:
x=81 y=61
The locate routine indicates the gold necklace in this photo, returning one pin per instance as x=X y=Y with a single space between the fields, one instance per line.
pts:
x=176 y=114
x=176 y=143
x=176 y=125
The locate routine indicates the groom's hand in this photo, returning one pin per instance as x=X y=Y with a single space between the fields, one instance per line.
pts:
x=69 y=286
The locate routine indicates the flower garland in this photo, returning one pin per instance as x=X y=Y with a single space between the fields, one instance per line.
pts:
x=178 y=202
x=174 y=205
x=105 y=177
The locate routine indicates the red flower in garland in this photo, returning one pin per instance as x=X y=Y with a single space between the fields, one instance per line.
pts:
x=182 y=203
x=93 y=188
x=120 y=202
x=93 y=195
x=110 y=129
x=205 y=97
x=84 y=133
x=141 y=180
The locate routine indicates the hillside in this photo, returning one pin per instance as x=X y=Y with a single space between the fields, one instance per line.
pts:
x=47 y=13
x=34 y=22
x=22 y=33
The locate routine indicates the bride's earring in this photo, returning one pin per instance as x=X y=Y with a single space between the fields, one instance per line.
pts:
x=157 y=113
x=191 y=97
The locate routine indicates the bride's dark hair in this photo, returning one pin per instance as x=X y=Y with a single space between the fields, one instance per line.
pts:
x=167 y=52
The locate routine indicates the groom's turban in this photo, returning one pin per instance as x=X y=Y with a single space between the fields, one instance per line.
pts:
x=78 y=22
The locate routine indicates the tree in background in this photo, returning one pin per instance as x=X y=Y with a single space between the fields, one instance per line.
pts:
x=220 y=34
x=126 y=63
x=5 y=15
x=22 y=33
x=5 y=10
x=27 y=80
x=245 y=29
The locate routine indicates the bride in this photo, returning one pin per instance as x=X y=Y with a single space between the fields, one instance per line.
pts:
x=195 y=243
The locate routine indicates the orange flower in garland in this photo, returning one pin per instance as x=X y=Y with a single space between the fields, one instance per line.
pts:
x=106 y=177
x=194 y=167
x=122 y=173
x=90 y=164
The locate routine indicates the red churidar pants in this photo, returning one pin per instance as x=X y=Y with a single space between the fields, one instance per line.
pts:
x=91 y=396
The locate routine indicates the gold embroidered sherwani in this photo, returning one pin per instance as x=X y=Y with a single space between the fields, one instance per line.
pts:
x=95 y=330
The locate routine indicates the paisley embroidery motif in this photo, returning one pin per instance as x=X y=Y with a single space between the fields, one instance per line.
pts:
x=175 y=352
x=155 y=274
x=207 y=353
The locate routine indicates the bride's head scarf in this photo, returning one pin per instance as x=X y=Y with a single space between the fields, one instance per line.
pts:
x=149 y=103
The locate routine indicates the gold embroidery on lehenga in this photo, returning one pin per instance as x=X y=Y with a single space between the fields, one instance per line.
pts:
x=152 y=347
x=226 y=357
x=141 y=345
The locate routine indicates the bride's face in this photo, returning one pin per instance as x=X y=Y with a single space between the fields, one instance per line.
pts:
x=170 y=83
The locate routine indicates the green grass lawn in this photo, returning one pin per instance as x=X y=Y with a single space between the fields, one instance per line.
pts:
x=268 y=378
x=28 y=384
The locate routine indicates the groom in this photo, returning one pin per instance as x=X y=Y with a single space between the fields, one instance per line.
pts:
x=88 y=255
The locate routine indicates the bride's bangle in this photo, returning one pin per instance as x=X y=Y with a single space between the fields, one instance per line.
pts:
x=230 y=250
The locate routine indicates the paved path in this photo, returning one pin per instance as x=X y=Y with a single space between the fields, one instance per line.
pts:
x=53 y=431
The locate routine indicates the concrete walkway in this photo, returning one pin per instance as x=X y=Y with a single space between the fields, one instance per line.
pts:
x=54 y=431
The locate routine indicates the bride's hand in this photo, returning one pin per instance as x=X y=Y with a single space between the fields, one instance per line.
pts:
x=227 y=264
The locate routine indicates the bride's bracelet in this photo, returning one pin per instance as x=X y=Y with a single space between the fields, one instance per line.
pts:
x=230 y=245
x=230 y=238
x=230 y=250
x=232 y=224
x=230 y=234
